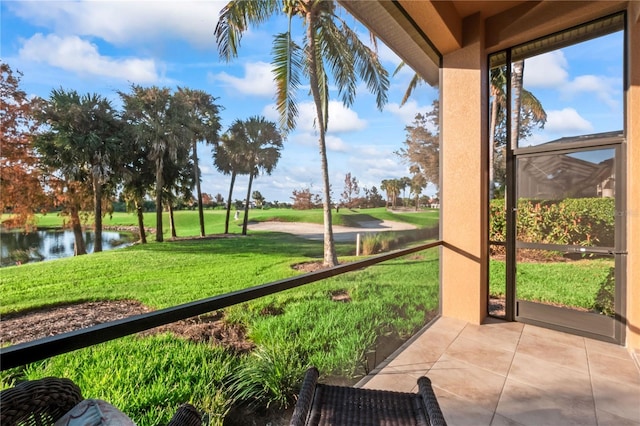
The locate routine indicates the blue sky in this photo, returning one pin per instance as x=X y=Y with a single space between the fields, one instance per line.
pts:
x=104 y=46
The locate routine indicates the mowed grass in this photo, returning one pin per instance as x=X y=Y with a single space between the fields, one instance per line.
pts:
x=573 y=284
x=187 y=221
x=149 y=377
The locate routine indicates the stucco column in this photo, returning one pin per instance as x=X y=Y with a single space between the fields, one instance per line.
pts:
x=633 y=177
x=463 y=176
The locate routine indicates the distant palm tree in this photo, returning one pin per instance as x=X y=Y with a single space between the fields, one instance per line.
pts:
x=202 y=123
x=262 y=145
x=328 y=45
x=229 y=159
x=82 y=142
x=157 y=117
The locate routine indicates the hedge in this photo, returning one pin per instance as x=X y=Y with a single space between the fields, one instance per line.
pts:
x=572 y=221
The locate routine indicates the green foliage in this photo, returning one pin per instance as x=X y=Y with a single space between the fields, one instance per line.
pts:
x=605 y=297
x=373 y=243
x=573 y=221
x=269 y=377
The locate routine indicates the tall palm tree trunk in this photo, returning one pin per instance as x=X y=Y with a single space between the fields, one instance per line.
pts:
x=196 y=169
x=226 y=222
x=97 y=209
x=492 y=141
x=143 y=235
x=159 y=185
x=79 y=248
x=516 y=84
x=246 y=205
x=172 y=222
x=330 y=257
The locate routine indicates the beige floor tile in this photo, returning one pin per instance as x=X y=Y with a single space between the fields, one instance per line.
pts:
x=502 y=336
x=613 y=368
x=477 y=386
x=552 y=378
x=528 y=405
x=499 y=420
x=389 y=379
x=621 y=399
x=553 y=336
x=427 y=348
x=610 y=349
x=481 y=354
x=574 y=357
x=458 y=411
x=608 y=419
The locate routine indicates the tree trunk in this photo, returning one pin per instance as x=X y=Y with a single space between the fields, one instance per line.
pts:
x=79 y=247
x=492 y=141
x=143 y=235
x=97 y=211
x=159 y=185
x=172 y=222
x=226 y=222
x=330 y=257
x=516 y=85
x=246 y=205
x=196 y=169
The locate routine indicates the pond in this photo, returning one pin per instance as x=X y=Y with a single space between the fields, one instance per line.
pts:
x=18 y=247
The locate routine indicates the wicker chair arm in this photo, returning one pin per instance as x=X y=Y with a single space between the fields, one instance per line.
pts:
x=434 y=413
x=305 y=398
x=187 y=415
x=40 y=402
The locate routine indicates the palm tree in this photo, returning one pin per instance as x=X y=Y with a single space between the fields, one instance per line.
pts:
x=83 y=142
x=229 y=159
x=158 y=119
x=202 y=124
x=328 y=45
x=263 y=144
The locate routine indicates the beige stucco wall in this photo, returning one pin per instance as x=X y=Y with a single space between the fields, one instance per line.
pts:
x=463 y=174
x=633 y=177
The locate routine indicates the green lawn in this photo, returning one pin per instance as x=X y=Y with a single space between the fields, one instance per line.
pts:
x=148 y=377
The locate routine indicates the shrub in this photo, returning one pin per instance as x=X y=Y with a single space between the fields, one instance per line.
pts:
x=579 y=221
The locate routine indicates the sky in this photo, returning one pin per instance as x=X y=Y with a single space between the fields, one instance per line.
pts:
x=105 y=46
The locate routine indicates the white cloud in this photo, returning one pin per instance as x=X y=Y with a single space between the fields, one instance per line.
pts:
x=126 y=22
x=257 y=80
x=407 y=112
x=567 y=120
x=74 y=54
x=336 y=144
x=341 y=118
x=602 y=87
x=547 y=70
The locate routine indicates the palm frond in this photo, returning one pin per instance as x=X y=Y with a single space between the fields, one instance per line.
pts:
x=415 y=81
x=337 y=53
x=236 y=17
x=287 y=65
x=534 y=105
x=368 y=66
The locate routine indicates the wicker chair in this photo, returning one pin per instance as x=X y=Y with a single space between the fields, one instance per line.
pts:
x=320 y=404
x=42 y=402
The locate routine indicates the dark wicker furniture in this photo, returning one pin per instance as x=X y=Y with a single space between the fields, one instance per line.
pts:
x=42 y=402
x=320 y=404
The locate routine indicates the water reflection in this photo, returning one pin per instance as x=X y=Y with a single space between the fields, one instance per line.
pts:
x=18 y=247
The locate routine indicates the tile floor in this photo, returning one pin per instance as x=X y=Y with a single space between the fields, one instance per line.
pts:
x=507 y=373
